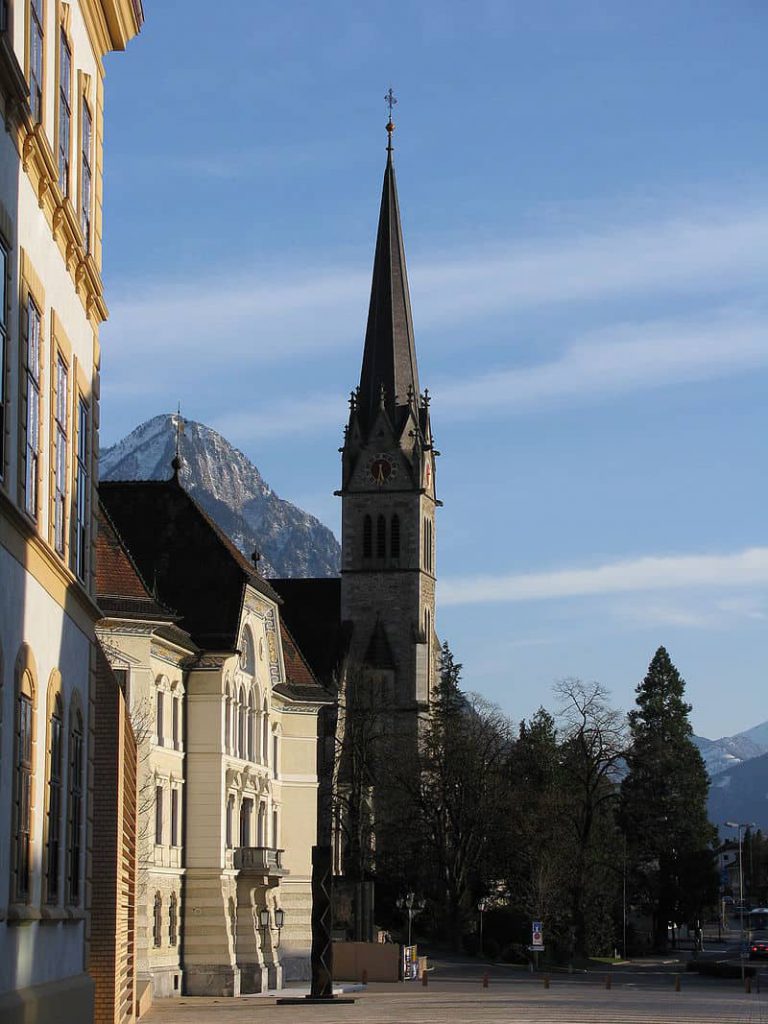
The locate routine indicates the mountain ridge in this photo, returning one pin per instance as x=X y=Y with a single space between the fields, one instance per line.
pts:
x=221 y=478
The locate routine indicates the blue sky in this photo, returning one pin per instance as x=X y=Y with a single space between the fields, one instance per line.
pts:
x=585 y=210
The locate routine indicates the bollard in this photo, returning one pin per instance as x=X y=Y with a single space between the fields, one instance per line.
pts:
x=485 y=980
x=677 y=983
x=364 y=978
x=748 y=985
x=546 y=981
x=424 y=979
x=607 y=981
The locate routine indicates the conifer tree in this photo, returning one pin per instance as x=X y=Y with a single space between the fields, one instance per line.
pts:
x=664 y=799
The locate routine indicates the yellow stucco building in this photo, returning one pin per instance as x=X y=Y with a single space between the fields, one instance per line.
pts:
x=51 y=305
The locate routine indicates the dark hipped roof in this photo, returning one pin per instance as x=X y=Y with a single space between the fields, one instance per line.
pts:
x=389 y=357
x=120 y=588
x=190 y=564
x=300 y=682
x=312 y=610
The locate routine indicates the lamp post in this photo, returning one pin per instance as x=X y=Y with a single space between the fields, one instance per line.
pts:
x=740 y=826
x=482 y=906
x=412 y=906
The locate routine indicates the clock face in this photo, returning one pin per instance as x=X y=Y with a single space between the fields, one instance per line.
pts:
x=381 y=469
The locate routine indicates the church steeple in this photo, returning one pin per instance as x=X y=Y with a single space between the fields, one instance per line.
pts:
x=389 y=357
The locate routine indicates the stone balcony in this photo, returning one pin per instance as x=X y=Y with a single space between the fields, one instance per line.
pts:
x=259 y=860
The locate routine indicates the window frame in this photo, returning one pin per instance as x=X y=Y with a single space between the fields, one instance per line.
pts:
x=5 y=258
x=75 y=798
x=60 y=450
x=81 y=496
x=54 y=788
x=32 y=362
x=22 y=825
x=64 y=82
x=159 y=813
x=35 y=57
x=86 y=162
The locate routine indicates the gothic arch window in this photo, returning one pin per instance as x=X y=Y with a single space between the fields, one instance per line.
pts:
x=394 y=536
x=275 y=752
x=367 y=537
x=54 y=785
x=23 y=788
x=230 y=823
x=176 y=721
x=381 y=537
x=173 y=919
x=251 y=727
x=75 y=802
x=157 y=921
x=227 y=720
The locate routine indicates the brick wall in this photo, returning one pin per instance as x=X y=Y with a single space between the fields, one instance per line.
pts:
x=112 y=957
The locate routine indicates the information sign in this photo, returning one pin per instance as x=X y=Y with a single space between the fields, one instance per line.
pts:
x=537 y=936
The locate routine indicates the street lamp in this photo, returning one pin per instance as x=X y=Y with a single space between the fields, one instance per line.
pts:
x=279 y=922
x=740 y=825
x=413 y=906
x=482 y=906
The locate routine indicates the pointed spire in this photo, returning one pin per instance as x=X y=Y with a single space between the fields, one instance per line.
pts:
x=389 y=357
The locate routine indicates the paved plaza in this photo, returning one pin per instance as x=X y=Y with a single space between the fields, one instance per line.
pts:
x=523 y=1001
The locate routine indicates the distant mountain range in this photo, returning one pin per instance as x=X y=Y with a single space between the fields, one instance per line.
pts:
x=232 y=491
x=738 y=769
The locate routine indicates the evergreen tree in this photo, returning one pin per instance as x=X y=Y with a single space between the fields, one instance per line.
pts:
x=664 y=799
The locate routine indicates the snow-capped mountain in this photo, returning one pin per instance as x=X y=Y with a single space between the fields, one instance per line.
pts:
x=729 y=751
x=232 y=491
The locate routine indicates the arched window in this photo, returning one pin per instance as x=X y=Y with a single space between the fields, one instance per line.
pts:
x=23 y=787
x=394 y=537
x=381 y=537
x=75 y=807
x=157 y=921
x=367 y=537
x=227 y=720
x=261 y=825
x=251 y=727
x=275 y=753
x=159 y=716
x=176 y=722
x=247 y=656
x=53 y=817
x=265 y=733
x=241 y=711
x=173 y=919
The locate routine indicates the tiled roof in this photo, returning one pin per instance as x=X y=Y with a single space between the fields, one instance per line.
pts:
x=300 y=683
x=194 y=567
x=120 y=588
x=312 y=611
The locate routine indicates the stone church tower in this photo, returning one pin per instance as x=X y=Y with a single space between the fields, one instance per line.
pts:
x=388 y=495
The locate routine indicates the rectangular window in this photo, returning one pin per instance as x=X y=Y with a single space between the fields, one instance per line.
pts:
x=158 y=815
x=81 y=492
x=36 y=59
x=60 y=454
x=75 y=812
x=175 y=817
x=121 y=678
x=54 y=810
x=32 y=372
x=86 y=174
x=160 y=714
x=65 y=111
x=3 y=347
x=23 y=803
x=4 y=15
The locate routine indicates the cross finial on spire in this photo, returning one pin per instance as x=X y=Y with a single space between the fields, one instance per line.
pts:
x=178 y=424
x=390 y=100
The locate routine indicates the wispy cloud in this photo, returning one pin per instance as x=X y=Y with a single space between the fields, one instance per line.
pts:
x=617 y=359
x=269 y=314
x=748 y=568
x=613 y=361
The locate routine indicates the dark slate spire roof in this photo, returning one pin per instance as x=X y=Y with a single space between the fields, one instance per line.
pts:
x=389 y=358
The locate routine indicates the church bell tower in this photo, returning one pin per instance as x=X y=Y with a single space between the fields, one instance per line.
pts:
x=388 y=492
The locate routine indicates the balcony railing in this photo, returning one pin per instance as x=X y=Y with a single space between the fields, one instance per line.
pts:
x=259 y=860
